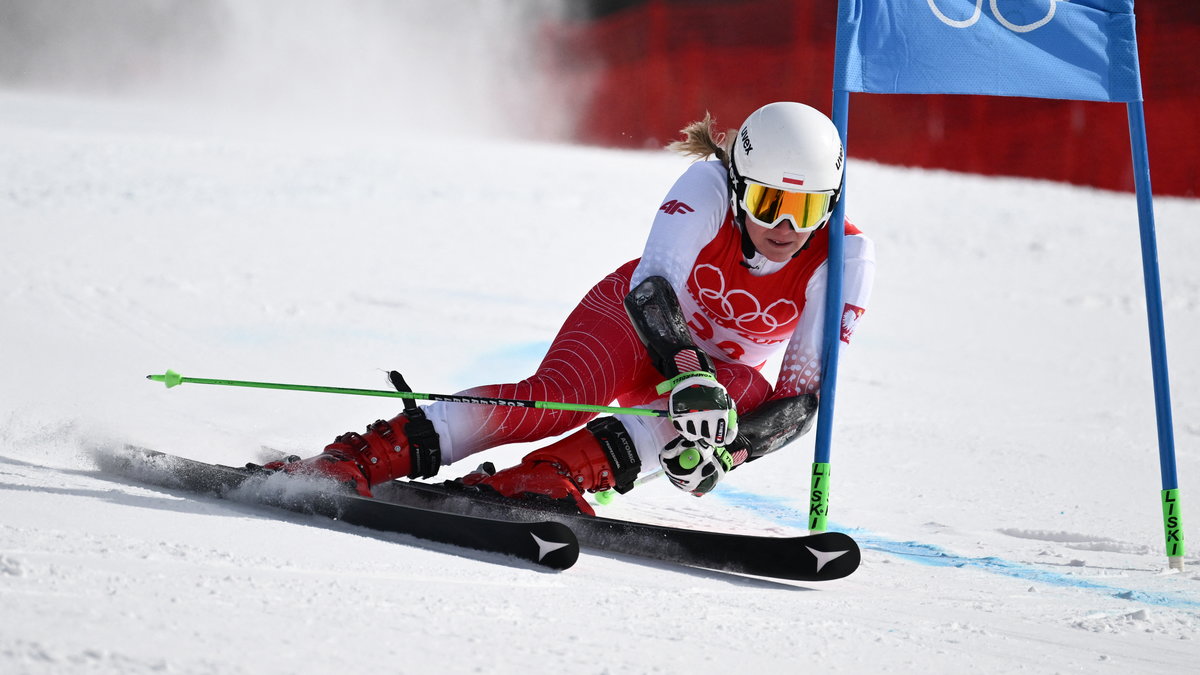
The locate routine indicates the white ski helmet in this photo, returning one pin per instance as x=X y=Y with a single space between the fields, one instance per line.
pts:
x=788 y=147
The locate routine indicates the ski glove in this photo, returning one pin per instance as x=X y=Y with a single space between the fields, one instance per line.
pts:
x=694 y=466
x=701 y=409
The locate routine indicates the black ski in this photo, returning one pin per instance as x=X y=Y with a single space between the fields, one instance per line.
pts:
x=816 y=557
x=545 y=542
x=531 y=530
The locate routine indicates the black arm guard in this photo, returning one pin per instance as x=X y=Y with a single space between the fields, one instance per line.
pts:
x=655 y=314
x=774 y=424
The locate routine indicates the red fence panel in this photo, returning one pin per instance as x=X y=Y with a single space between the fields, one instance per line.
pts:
x=644 y=72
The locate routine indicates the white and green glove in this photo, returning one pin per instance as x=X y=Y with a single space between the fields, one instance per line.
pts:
x=694 y=466
x=701 y=409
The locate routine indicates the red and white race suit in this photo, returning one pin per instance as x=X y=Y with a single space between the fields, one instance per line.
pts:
x=740 y=311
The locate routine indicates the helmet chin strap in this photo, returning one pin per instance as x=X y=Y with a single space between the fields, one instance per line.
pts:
x=736 y=187
x=748 y=249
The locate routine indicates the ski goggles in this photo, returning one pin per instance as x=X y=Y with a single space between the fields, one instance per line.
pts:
x=768 y=206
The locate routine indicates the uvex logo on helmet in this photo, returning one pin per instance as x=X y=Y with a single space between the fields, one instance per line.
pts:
x=745 y=136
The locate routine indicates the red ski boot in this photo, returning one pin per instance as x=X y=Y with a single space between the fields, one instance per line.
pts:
x=405 y=446
x=600 y=457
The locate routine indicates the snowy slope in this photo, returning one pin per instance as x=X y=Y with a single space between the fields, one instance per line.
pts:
x=994 y=451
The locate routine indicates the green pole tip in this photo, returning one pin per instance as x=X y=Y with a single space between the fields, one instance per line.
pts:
x=604 y=498
x=170 y=378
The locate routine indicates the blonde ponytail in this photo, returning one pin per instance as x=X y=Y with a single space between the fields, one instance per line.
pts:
x=701 y=140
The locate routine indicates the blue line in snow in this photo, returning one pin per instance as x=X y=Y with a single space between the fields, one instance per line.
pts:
x=782 y=512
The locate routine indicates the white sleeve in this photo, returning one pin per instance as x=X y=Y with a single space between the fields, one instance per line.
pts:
x=801 y=369
x=691 y=215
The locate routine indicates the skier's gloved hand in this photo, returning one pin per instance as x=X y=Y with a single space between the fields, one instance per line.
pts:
x=701 y=409
x=694 y=466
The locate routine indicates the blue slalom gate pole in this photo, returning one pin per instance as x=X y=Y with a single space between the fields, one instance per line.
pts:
x=818 y=507
x=1172 y=517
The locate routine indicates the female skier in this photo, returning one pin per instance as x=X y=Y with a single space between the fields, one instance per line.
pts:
x=733 y=271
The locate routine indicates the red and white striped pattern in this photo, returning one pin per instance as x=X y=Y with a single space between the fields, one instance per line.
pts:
x=687 y=361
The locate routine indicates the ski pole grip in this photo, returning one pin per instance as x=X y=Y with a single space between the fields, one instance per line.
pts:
x=401 y=386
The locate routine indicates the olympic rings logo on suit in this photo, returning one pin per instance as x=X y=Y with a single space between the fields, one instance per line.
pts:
x=738 y=309
x=967 y=23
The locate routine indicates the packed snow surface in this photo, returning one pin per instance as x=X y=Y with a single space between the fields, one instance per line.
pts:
x=995 y=446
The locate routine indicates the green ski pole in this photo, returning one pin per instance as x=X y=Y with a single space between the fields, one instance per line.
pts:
x=605 y=497
x=174 y=379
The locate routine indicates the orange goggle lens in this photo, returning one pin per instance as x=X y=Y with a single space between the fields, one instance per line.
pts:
x=769 y=206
